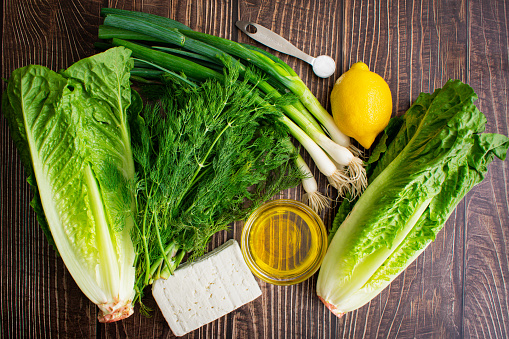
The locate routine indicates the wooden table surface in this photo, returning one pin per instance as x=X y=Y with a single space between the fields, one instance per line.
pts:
x=459 y=287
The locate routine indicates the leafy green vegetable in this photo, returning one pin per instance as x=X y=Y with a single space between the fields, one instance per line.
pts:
x=422 y=172
x=199 y=55
x=206 y=156
x=73 y=137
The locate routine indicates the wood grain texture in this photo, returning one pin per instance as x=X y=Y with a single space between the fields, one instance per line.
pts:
x=486 y=268
x=458 y=288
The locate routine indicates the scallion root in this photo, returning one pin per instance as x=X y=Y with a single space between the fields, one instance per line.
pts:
x=357 y=152
x=349 y=180
x=316 y=200
x=357 y=174
x=313 y=198
x=339 y=180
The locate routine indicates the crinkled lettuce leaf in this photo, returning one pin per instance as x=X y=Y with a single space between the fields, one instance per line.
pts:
x=425 y=163
x=73 y=137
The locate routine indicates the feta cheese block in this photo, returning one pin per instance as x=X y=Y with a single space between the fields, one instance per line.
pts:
x=206 y=289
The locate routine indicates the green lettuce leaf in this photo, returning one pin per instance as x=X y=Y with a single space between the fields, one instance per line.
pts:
x=72 y=134
x=434 y=159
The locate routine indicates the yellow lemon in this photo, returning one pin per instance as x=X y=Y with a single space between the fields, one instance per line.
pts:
x=361 y=104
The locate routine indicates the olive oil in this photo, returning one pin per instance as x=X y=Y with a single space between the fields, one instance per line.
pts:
x=285 y=242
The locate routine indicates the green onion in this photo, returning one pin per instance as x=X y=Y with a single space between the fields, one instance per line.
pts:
x=109 y=32
x=281 y=73
x=316 y=200
x=335 y=176
x=162 y=21
x=211 y=51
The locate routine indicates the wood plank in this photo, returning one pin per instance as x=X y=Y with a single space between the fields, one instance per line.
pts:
x=486 y=272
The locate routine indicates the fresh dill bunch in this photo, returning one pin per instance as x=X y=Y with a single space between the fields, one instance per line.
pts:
x=206 y=156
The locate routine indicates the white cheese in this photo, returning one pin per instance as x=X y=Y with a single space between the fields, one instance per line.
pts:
x=206 y=289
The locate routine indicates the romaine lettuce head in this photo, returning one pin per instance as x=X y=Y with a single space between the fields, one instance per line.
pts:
x=423 y=166
x=73 y=138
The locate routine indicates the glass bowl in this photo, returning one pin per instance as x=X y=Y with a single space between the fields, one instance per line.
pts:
x=283 y=242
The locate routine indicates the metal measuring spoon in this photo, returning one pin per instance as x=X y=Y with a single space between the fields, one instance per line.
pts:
x=323 y=65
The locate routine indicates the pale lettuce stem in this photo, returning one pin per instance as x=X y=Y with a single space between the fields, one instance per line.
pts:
x=367 y=292
x=368 y=266
x=108 y=266
x=337 y=279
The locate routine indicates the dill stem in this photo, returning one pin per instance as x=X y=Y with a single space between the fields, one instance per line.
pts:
x=194 y=202
x=158 y=274
x=167 y=271
x=170 y=249
x=200 y=165
x=144 y=235
x=163 y=253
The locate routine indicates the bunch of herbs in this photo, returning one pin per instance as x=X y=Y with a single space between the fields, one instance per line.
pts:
x=206 y=155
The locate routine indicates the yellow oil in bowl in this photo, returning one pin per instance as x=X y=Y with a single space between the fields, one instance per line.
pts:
x=284 y=242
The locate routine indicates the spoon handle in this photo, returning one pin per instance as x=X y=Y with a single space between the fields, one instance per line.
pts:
x=268 y=38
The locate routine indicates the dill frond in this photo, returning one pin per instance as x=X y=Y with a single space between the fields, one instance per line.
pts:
x=206 y=156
